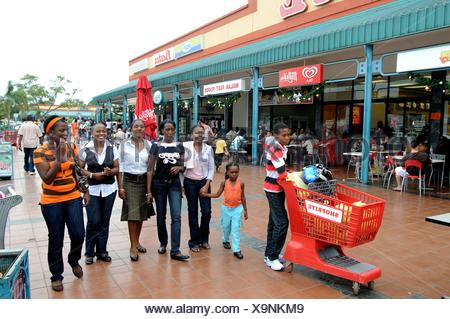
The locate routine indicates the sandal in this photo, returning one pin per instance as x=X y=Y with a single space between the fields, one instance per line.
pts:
x=195 y=249
x=141 y=249
x=205 y=246
x=397 y=189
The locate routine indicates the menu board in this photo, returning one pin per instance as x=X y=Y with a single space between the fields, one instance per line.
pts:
x=6 y=160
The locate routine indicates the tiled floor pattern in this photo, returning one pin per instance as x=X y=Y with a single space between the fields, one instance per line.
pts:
x=413 y=254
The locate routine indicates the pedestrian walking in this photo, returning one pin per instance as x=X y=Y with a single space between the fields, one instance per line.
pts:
x=102 y=160
x=278 y=224
x=61 y=202
x=233 y=207
x=30 y=137
x=221 y=151
x=199 y=173
x=133 y=163
x=163 y=184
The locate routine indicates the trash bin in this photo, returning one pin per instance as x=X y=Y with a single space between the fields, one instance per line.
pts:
x=6 y=160
x=8 y=199
x=14 y=274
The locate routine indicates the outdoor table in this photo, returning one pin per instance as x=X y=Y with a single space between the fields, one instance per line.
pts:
x=442 y=219
x=357 y=164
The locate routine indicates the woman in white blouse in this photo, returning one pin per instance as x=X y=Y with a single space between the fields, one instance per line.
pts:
x=199 y=173
x=133 y=162
x=102 y=160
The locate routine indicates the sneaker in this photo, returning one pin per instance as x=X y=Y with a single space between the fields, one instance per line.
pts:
x=266 y=260
x=238 y=255
x=275 y=265
x=32 y=173
x=89 y=260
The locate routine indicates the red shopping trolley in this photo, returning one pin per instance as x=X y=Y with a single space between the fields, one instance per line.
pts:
x=325 y=218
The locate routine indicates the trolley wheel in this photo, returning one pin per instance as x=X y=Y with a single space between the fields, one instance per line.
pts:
x=371 y=285
x=355 y=288
x=288 y=267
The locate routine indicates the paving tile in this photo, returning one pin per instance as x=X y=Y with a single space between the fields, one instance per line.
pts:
x=412 y=254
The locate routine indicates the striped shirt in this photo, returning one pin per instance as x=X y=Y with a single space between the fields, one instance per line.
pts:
x=276 y=155
x=64 y=187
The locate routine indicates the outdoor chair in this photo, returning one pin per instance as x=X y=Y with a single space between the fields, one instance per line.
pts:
x=420 y=178
x=437 y=172
x=11 y=200
x=390 y=165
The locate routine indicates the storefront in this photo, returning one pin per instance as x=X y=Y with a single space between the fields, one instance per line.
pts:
x=256 y=42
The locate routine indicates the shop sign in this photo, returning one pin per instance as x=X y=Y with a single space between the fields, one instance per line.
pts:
x=305 y=75
x=190 y=46
x=292 y=7
x=163 y=56
x=437 y=57
x=158 y=97
x=324 y=211
x=435 y=116
x=356 y=118
x=139 y=66
x=223 y=87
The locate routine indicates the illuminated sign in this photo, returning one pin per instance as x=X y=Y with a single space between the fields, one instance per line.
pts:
x=305 y=75
x=190 y=46
x=292 y=7
x=223 y=87
x=163 y=56
x=424 y=59
x=139 y=66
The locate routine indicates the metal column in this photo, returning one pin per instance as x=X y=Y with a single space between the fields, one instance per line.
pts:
x=195 y=94
x=367 y=114
x=124 y=112
x=255 y=109
x=97 y=112
x=109 y=110
x=175 y=110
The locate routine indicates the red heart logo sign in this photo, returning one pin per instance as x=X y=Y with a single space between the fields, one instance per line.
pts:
x=309 y=73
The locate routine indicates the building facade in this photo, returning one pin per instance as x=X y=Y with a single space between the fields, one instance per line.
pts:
x=337 y=67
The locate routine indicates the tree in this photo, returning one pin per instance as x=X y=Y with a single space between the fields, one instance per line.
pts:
x=36 y=93
x=29 y=92
x=58 y=87
x=72 y=103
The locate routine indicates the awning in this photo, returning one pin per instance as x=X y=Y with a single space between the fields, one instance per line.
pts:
x=399 y=18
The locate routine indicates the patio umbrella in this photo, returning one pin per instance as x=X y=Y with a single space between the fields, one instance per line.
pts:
x=144 y=106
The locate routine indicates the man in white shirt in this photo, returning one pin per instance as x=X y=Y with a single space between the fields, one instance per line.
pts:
x=30 y=136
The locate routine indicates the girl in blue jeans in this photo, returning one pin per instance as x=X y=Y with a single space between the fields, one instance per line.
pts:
x=233 y=206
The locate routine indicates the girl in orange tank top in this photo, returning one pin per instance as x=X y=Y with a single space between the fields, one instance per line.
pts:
x=233 y=207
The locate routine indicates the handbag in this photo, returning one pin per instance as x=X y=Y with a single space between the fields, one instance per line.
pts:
x=81 y=180
x=150 y=210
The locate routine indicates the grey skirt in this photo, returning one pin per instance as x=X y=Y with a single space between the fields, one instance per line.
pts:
x=134 y=207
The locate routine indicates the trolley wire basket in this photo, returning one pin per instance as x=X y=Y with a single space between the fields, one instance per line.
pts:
x=336 y=214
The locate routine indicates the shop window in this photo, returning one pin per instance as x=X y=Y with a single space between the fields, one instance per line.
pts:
x=395 y=119
x=336 y=120
x=340 y=91
x=379 y=88
x=378 y=114
x=417 y=119
x=403 y=87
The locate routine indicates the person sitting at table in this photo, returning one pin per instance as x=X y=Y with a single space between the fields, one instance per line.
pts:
x=443 y=148
x=418 y=152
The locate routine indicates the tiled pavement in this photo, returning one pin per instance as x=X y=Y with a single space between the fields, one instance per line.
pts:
x=413 y=254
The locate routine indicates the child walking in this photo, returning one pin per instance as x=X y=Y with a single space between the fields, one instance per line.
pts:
x=233 y=206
